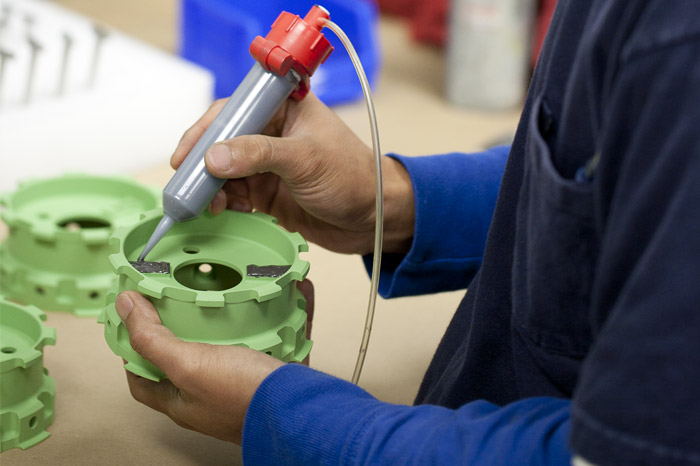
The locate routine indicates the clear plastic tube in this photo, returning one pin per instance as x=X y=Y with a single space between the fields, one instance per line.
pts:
x=379 y=219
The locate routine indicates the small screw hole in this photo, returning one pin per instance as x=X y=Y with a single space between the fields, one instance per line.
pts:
x=94 y=295
x=205 y=268
x=32 y=422
x=190 y=250
x=8 y=350
x=40 y=290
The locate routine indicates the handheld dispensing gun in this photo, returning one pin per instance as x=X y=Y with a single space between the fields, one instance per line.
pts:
x=285 y=60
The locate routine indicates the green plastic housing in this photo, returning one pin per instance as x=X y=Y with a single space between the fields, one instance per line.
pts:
x=55 y=256
x=208 y=295
x=27 y=393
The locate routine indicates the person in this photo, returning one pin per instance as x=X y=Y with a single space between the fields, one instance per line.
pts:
x=579 y=335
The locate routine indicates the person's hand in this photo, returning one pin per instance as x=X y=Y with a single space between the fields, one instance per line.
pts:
x=310 y=171
x=209 y=387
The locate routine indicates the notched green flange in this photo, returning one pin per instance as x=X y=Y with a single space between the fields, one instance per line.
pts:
x=27 y=392
x=208 y=295
x=55 y=256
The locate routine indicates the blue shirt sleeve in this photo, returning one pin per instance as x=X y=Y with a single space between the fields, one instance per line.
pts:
x=301 y=416
x=455 y=195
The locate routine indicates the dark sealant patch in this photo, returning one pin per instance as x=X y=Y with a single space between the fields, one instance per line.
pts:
x=267 y=271
x=151 y=267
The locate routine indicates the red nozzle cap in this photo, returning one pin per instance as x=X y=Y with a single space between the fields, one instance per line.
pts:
x=294 y=43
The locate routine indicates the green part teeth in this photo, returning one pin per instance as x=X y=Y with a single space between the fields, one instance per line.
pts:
x=208 y=297
x=55 y=256
x=27 y=392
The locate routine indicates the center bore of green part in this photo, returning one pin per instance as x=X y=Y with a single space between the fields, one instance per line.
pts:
x=74 y=224
x=207 y=276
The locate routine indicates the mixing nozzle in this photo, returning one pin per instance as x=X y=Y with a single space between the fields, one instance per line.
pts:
x=163 y=227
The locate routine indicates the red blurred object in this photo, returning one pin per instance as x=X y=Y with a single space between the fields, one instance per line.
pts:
x=428 y=17
x=544 y=17
x=294 y=43
x=429 y=23
x=398 y=7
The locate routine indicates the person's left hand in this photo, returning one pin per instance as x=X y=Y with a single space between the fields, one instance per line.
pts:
x=209 y=387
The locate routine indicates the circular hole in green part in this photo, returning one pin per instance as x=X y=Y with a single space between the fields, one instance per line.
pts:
x=77 y=224
x=32 y=422
x=8 y=350
x=190 y=250
x=40 y=290
x=207 y=276
x=94 y=295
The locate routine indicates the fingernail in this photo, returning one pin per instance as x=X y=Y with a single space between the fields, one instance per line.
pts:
x=124 y=305
x=219 y=157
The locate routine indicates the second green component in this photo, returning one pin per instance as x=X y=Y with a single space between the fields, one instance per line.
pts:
x=27 y=393
x=232 y=281
x=55 y=256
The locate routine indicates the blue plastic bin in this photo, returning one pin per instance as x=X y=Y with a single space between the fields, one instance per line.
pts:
x=217 y=34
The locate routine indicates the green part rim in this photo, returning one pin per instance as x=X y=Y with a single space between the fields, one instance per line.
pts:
x=55 y=255
x=28 y=393
x=208 y=297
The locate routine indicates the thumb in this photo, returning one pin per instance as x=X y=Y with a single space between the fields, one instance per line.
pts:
x=147 y=334
x=248 y=155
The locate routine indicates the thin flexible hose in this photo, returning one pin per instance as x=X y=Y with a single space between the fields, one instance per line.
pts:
x=379 y=220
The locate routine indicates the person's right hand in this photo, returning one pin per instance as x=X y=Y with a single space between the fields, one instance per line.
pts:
x=310 y=171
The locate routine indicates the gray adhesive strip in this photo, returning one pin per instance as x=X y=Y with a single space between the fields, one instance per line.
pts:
x=151 y=267
x=268 y=271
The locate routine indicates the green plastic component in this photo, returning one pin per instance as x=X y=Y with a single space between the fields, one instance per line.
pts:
x=208 y=295
x=27 y=393
x=56 y=253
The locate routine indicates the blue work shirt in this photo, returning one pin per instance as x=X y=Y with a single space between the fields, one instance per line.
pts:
x=580 y=332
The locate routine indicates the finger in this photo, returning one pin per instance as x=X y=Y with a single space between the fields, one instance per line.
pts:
x=218 y=204
x=156 y=395
x=239 y=204
x=286 y=116
x=276 y=125
x=192 y=135
x=238 y=195
x=307 y=289
x=162 y=396
x=150 y=338
x=237 y=188
x=248 y=155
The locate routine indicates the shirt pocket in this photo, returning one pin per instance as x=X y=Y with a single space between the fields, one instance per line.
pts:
x=555 y=250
